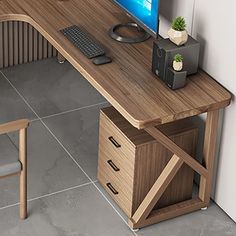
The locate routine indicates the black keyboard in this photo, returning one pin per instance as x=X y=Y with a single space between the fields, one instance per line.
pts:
x=82 y=41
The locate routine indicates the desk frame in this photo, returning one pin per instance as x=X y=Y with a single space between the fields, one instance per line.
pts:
x=144 y=215
x=135 y=109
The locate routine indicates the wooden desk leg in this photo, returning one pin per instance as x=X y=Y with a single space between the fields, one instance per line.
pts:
x=60 y=58
x=209 y=152
x=145 y=215
x=23 y=173
x=158 y=189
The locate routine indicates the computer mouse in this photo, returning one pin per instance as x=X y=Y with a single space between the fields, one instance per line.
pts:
x=102 y=60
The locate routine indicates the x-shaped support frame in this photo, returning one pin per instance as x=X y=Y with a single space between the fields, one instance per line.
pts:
x=145 y=215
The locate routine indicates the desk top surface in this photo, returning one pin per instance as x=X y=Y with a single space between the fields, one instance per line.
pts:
x=127 y=83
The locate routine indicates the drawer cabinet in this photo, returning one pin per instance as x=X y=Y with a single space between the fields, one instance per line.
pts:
x=130 y=161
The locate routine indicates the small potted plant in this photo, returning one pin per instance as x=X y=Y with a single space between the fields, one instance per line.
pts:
x=178 y=62
x=178 y=34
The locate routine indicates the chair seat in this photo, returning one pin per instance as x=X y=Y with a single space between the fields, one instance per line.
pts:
x=10 y=168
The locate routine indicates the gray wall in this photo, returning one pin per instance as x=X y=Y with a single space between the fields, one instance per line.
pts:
x=212 y=22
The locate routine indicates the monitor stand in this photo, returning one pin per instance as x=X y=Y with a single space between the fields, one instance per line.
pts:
x=136 y=39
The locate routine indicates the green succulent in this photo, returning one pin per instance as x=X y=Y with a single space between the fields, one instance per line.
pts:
x=179 y=24
x=178 y=58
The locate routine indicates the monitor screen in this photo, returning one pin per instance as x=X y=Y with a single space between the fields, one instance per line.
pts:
x=145 y=12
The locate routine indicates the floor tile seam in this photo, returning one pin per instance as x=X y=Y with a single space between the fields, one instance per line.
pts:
x=48 y=195
x=73 y=110
x=54 y=136
x=49 y=116
x=21 y=96
x=87 y=176
x=91 y=181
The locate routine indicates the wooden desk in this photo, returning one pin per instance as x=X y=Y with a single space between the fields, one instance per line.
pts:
x=129 y=85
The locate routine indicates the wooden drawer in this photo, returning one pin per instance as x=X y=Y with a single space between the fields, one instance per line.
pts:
x=115 y=190
x=107 y=152
x=113 y=140
x=117 y=167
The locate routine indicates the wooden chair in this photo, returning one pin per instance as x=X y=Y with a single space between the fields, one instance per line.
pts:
x=18 y=166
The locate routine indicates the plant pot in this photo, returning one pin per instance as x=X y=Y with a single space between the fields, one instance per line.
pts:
x=177 y=66
x=175 y=79
x=178 y=37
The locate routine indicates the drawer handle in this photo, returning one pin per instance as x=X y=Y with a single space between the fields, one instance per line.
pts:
x=114 y=142
x=109 y=185
x=113 y=166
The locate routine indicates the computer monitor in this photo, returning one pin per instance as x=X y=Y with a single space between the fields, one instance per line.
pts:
x=144 y=12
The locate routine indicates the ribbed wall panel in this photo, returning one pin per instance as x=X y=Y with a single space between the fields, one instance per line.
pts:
x=21 y=43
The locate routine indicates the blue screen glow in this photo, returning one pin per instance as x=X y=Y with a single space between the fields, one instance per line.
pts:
x=145 y=11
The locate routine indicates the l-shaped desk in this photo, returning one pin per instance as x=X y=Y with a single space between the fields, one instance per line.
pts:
x=129 y=85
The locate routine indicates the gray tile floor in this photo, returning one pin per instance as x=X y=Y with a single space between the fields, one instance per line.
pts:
x=65 y=198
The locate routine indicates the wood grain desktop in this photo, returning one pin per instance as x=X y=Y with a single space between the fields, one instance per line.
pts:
x=127 y=83
x=131 y=88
